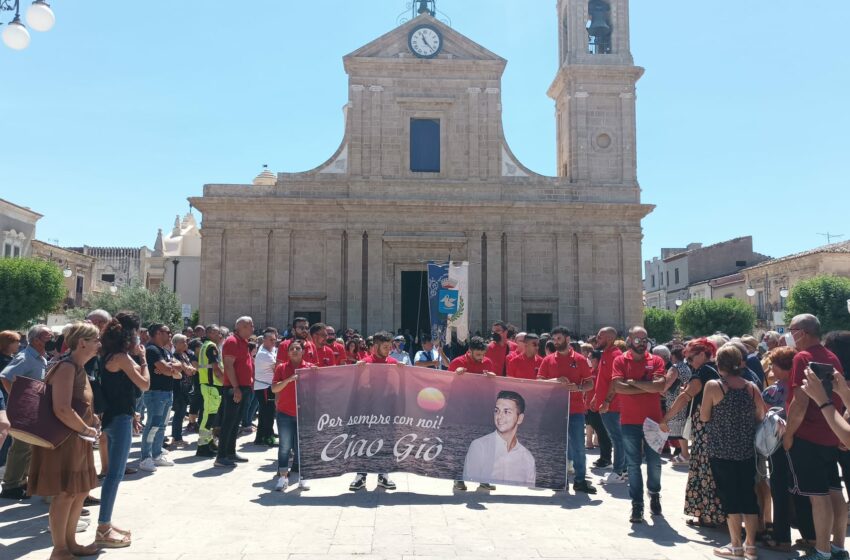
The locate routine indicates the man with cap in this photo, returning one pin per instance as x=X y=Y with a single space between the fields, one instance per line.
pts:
x=398 y=353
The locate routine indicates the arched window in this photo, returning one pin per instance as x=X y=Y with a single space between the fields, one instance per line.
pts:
x=599 y=27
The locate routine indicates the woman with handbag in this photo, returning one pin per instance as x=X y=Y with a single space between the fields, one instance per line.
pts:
x=701 y=500
x=731 y=408
x=67 y=472
x=123 y=379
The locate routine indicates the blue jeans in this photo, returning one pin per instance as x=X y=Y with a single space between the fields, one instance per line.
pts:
x=119 y=435
x=158 y=403
x=575 y=447
x=287 y=431
x=611 y=420
x=250 y=410
x=634 y=445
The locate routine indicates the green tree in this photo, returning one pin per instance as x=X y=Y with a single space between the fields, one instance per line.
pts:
x=824 y=297
x=703 y=317
x=29 y=289
x=160 y=306
x=196 y=318
x=659 y=324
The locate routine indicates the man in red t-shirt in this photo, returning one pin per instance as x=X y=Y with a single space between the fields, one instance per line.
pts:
x=336 y=345
x=638 y=379
x=382 y=345
x=300 y=330
x=526 y=365
x=474 y=361
x=812 y=446
x=238 y=385
x=317 y=350
x=571 y=368
x=500 y=348
x=606 y=402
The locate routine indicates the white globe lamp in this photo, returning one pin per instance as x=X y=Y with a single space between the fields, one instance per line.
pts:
x=783 y=292
x=67 y=273
x=40 y=17
x=16 y=36
x=751 y=292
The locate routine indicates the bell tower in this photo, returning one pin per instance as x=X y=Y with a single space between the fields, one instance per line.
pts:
x=594 y=93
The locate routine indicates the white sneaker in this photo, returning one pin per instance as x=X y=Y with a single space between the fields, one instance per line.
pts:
x=83 y=525
x=163 y=461
x=282 y=484
x=302 y=484
x=148 y=465
x=614 y=478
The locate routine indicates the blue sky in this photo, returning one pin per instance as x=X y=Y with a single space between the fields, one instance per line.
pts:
x=122 y=111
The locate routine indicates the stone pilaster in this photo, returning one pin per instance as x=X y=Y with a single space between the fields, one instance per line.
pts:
x=494 y=277
x=375 y=274
x=333 y=289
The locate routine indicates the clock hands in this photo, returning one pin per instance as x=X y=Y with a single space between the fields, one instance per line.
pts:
x=425 y=40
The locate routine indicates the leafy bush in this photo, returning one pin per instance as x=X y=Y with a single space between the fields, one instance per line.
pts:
x=824 y=297
x=659 y=323
x=29 y=289
x=703 y=317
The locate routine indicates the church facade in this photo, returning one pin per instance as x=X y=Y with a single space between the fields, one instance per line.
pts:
x=424 y=173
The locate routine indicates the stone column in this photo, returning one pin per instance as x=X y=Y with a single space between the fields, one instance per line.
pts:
x=375 y=273
x=494 y=277
x=586 y=279
x=628 y=142
x=474 y=137
x=333 y=289
x=357 y=144
x=355 y=281
x=493 y=150
x=473 y=251
x=566 y=274
x=212 y=248
x=375 y=129
x=632 y=285
x=260 y=282
x=281 y=253
x=513 y=258
x=582 y=137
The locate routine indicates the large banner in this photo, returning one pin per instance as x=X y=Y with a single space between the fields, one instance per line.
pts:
x=389 y=418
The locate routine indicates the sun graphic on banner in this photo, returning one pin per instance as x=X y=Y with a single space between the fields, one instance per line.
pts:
x=431 y=399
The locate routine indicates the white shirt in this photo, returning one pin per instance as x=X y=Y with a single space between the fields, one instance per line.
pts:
x=264 y=363
x=488 y=460
x=432 y=356
x=401 y=357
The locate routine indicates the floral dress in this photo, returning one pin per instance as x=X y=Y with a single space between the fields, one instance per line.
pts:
x=677 y=423
x=701 y=500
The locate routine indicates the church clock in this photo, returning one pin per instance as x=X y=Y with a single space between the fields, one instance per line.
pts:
x=425 y=41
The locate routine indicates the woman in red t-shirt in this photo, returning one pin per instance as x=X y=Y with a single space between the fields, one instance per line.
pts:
x=283 y=385
x=351 y=353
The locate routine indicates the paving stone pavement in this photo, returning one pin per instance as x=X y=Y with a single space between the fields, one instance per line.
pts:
x=195 y=511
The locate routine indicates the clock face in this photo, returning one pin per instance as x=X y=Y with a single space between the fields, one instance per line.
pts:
x=426 y=42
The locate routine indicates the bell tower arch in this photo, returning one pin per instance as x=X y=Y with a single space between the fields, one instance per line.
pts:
x=594 y=93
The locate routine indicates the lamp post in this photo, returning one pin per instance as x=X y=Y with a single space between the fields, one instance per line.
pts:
x=39 y=16
x=678 y=303
x=113 y=289
x=783 y=292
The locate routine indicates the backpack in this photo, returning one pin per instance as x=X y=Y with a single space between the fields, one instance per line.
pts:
x=769 y=432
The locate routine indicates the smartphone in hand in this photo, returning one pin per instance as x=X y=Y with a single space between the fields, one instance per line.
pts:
x=824 y=373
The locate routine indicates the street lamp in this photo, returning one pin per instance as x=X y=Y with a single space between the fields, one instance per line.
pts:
x=39 y=16
x=113 y=288
x=783 y=292
x=67 y=272
x=751 y=291
x=679 y=303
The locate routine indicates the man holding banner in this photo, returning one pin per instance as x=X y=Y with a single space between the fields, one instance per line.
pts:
x=568 y=367
x=381 y=348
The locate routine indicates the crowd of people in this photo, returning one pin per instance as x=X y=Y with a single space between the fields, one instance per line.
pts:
x=710 y=395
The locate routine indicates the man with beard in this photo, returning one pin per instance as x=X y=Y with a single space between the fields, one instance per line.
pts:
x=383 y=343
x=336 y=345
x=300 y=328
x=317 y=351
x=607 y=402
x=638 y=378
x=525 y=362
x=571 y=368
x=500 y=348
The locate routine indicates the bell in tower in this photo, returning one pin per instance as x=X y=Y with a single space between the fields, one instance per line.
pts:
x=599 y=27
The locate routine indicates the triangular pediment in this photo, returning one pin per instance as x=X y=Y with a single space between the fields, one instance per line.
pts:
x=395 y=43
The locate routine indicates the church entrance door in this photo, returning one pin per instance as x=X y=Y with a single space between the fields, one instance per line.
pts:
x=415 y=316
